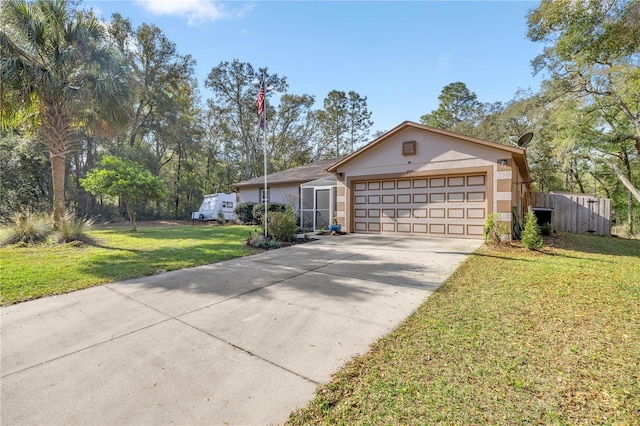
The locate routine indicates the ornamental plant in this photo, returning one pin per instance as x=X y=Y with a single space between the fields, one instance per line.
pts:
x=531 y=238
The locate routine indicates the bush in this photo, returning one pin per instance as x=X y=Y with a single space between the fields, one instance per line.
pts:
x=495 y=229
x=258 y=240
x=27 y=227
x=531 y=238
x=72 y=228
x=283 y=225
x=258 y=211
x=220 y=218
x=244 y=213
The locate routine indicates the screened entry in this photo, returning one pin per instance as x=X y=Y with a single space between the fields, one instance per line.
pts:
x=318 y=203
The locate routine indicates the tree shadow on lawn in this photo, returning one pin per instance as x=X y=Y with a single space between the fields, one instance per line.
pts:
x=611 y=246
x=181 y=232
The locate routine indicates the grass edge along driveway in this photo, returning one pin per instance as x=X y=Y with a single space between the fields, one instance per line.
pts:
x=30 y=272
x=513 y=337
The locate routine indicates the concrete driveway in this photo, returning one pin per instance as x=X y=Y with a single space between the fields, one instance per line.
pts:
x=239 y=342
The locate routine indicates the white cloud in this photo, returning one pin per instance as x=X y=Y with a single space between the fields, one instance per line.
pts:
x=194 y=11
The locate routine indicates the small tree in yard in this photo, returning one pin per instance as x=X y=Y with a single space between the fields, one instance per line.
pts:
x=531 y=238
x=119 y=177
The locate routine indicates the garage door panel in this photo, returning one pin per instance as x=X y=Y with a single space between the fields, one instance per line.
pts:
x=419 y=198
x=475 y=230
x=454 y=182
x=476 y=197
x=439 y=205
x=455 y=213
x=404 y=227
x=437 y=197
x=473 y=213
x=388 y=227
x=437 y=228
x=420 y=213
x=419 y=183
x=476 y=180
x=437 y=182
x=455 y=197
x=420 y=228
x=437 y=213
x=389 y=213
x=455 y=229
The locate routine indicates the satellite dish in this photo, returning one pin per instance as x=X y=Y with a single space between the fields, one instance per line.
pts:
x=524 y=140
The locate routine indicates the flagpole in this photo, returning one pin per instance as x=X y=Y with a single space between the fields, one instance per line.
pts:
x=264 y=148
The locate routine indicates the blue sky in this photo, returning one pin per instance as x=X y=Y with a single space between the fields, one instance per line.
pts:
x=398 y=54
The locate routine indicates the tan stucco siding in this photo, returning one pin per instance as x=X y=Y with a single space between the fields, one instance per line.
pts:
x=434 y=152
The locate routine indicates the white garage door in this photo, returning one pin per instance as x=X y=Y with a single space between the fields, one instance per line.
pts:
x=443 y=205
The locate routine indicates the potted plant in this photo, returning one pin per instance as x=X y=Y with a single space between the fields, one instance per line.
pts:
x=335 y=227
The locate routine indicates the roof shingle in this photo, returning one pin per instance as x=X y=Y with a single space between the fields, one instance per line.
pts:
x=301 y=174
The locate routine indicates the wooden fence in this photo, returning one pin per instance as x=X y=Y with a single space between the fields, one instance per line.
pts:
x=577 y=213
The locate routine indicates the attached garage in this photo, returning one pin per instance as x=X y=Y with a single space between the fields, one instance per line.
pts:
x=419 y=180
x=440 y=205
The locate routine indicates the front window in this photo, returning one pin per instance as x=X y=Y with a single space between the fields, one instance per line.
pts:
x=264 y=197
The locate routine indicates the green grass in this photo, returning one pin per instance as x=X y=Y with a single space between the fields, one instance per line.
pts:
x=513 y=337
x=28 y=272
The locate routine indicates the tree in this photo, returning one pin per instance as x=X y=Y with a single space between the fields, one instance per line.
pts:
x=123 y=178
x=235 y=87
x=358 y=120
x=292 y=130
x=56 y=58
x=531 y=238
x=458 y=105
x=23 y=176
x=334 y=121
x=344 y=122
x=593 y=51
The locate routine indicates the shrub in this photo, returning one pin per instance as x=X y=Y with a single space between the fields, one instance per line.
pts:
x=27 y=227
x=244 y=213
x=283 y=225
x=531 y=238
x=220 y=218
x=258 y=211
x=495 y=229
x=258 y=240
x=72 y=228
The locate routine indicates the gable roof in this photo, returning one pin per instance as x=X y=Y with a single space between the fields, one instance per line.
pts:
x=301 y=174
x=519 y=154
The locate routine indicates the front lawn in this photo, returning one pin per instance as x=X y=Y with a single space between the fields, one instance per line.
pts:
x=34 y=271
x=513 y=337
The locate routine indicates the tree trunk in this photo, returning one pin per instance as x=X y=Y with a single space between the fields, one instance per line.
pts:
x=632 y=189
x=58 y=138
x=630 y=211
x=58 y=168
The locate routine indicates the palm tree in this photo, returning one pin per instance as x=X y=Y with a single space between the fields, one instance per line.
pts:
x=57 y=58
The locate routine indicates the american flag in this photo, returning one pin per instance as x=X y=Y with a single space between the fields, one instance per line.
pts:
x=260 y=103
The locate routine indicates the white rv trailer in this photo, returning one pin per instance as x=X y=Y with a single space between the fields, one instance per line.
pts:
x=213 y=203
